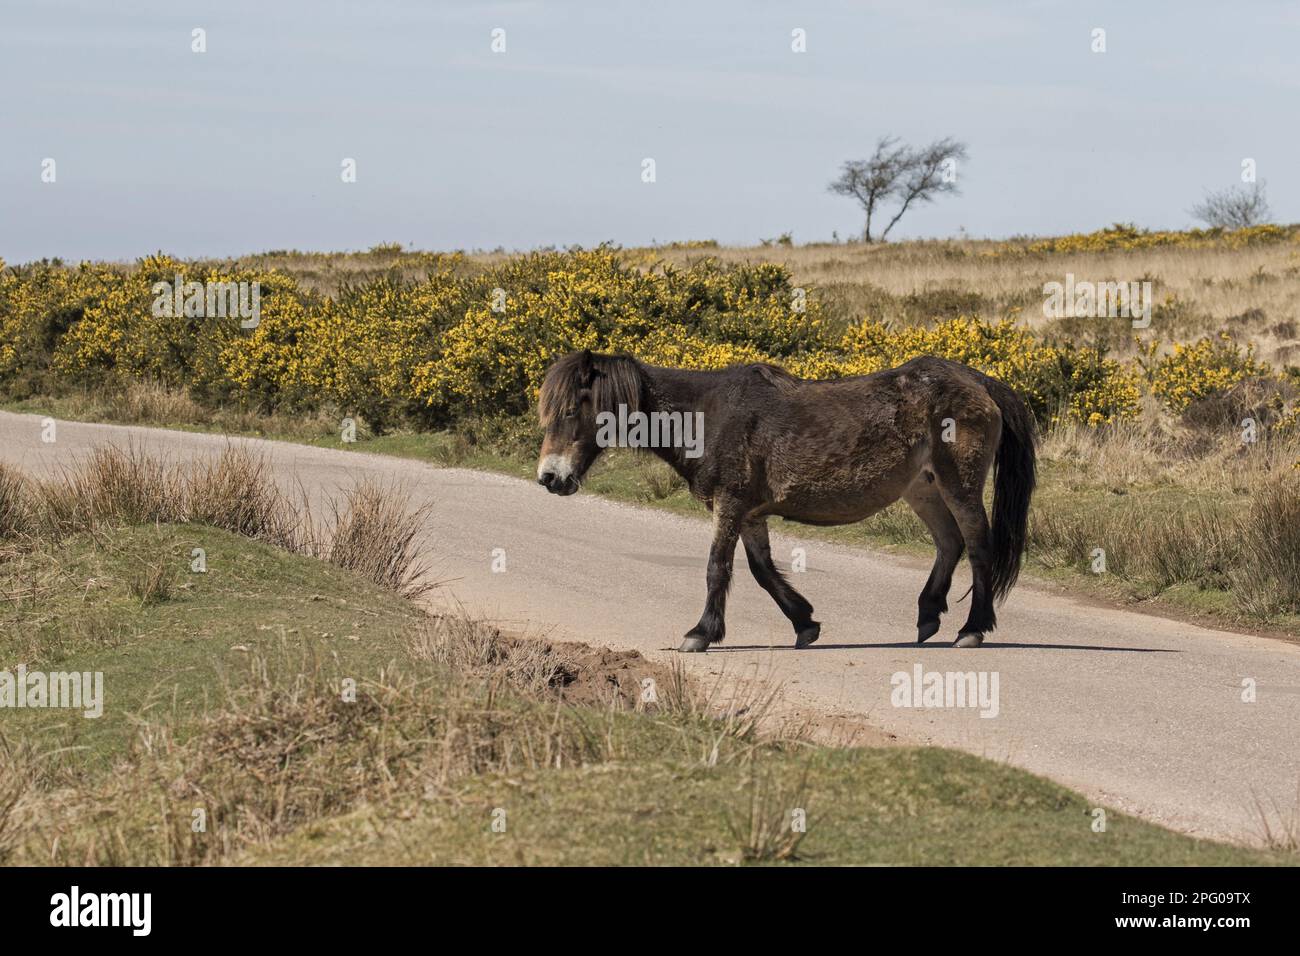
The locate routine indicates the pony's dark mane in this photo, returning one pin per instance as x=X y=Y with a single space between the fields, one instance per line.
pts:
x=622 y=380
x=616 y=380
x=613 y=380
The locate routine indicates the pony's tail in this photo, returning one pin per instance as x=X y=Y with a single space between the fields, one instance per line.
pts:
x=1014 y=476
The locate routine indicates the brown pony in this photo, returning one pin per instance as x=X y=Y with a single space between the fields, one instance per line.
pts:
x=823 y=453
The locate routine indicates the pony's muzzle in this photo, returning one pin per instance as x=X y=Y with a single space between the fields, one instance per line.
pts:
x=557 y=485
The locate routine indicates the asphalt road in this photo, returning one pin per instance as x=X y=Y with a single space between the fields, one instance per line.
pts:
x=1140 y=713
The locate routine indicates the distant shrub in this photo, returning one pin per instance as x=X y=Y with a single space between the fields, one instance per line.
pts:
x=1126 y=236
x=690 y=244
x=942 y=304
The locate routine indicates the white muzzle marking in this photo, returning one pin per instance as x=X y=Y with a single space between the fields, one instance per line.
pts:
x=559 y=466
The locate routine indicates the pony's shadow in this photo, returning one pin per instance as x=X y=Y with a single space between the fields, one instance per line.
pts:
x=940 y=645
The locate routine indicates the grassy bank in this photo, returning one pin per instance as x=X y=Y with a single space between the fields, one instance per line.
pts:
x=226 y=709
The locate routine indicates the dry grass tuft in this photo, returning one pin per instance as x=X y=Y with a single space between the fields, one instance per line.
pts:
x=661 y=481
x=15 y=505
x=149 y=402
x=153 y=582
x=112 y=485
x=18 y=773
x=1278 y=827
x=1269 y=581
x=731 y=710
x=375 y=536
x=236 y=493
x=369 y=533
x=471 y=647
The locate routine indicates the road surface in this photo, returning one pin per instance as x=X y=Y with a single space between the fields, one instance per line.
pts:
x=1140 y=713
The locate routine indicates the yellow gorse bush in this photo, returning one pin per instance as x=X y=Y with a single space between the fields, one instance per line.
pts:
x=461 y=343
x=1197 y=370
x=1125 y=236
x=38 y=304
x=496 y=353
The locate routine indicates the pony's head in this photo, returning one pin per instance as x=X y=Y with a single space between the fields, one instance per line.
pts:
x=577 y=388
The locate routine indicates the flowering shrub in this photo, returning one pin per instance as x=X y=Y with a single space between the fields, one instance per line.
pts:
x=1196 y=371
x=39 y=303
x=1125 y=236
x=461 y=343
x=701 y=317
x=359 y=351
x=1077 y=381
x=118 y=336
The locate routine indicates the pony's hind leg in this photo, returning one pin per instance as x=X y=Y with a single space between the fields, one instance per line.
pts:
x=967 y=507
x=925 y=500
x=758 y=550
x=960 y=469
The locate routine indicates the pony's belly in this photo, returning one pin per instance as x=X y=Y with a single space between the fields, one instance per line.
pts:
x=832 y=510
x=842 y=492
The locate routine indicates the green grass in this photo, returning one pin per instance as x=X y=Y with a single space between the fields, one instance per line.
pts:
x=903 y=807
x=224 y=694
x=169 y=658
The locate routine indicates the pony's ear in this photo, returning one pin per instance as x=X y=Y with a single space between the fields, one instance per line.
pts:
x=586 y=368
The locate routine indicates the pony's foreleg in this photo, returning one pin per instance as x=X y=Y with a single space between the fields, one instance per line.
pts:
x=758 y=551
x=727 y=519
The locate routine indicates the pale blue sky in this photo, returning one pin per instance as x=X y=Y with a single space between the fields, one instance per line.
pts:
x=238 y=149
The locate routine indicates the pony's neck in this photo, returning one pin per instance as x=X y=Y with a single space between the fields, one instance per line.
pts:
x=676 y=390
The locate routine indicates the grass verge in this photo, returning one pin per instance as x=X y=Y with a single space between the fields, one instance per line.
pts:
x=278 y=709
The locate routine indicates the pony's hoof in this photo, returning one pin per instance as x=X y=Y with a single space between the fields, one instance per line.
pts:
x=693 y=645
x=973 y=639
x=926 y=631
x=808 y=635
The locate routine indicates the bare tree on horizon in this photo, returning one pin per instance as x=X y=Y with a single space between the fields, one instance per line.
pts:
x=1236 y=207
x=902 y=173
